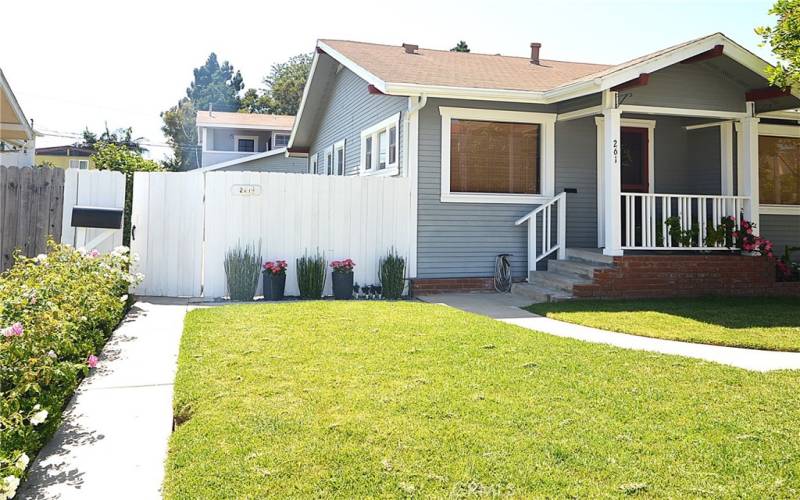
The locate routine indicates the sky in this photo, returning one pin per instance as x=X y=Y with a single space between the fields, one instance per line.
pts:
x=76 y=64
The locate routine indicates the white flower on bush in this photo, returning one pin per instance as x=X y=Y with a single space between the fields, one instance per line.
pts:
x=22 y=462
x=9 y=487
x=124 y=298
x=41 y=257
x=39 y=417
x=122 y=250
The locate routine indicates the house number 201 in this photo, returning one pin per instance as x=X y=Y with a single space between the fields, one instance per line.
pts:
x=615 y=150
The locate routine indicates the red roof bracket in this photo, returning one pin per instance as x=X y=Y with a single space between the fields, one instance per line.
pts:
x=703 y=56
x=372 y=89
x=765 y=93
x=320 y=51
x=639 y=81
x=298 y=150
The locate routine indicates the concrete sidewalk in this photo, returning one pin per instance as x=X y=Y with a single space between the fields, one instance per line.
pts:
x=113 y=440
x=506 y=308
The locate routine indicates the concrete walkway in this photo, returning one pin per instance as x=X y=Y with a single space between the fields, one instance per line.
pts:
x=113 y=440
x=506 y=308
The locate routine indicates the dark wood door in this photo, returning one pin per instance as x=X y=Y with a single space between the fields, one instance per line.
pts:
x=634 y=167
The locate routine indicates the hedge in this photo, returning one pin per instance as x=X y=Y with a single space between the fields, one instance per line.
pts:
x=56 y=312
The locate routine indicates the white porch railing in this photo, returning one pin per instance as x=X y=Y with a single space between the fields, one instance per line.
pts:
x=645 y=216
x=550 y=243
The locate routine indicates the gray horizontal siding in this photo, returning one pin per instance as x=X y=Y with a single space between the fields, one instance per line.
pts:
x=704 y=158
x=694 y=86
x=782 y=230
x=576 y=167
x=458 y=240
x=348 y=110
x=277 y=163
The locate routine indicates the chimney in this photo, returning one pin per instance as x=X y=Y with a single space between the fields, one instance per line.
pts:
x=535 y=46
x=410 y=48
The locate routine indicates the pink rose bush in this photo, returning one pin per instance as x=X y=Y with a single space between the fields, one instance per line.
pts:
x=56 y=312
x=343 y=266
x=275 y=267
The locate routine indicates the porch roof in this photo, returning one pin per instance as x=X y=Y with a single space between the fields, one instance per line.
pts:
x=13 y=124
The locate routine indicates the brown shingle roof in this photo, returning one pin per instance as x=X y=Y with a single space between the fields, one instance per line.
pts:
x=281 y=122
x=456 y=69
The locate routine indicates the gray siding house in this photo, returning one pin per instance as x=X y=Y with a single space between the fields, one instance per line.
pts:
x=531 y=157
x=245 y=142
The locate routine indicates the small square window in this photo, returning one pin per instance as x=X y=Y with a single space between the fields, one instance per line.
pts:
x=280 y=141
x=380 y=147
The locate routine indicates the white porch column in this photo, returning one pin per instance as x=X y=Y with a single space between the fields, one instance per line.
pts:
x=748 y=164
x=611 y=174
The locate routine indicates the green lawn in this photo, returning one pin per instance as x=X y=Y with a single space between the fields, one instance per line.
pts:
x=772 y=324
x=355 y=400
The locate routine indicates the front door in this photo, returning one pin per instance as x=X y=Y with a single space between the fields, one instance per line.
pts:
x=634 y=168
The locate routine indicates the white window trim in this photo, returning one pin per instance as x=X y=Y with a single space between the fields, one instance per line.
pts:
x=272 y=140
x=236 y=143
x=773 y=130
x=336 y=147
x=312 y=163
x=328 y=169
x=546 y=160
x=374 y=131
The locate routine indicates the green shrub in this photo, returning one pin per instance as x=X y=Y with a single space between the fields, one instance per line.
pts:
x=56 y=310
x=311 y=273
x=392 y=274
x=242 y=268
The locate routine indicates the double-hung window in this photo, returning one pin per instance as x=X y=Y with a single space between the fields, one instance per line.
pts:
x=495 y=156
x=380 y=147
x=339 y=159
x=79 y=164
x=280 y=141
x=329 y=161
x=312 y=164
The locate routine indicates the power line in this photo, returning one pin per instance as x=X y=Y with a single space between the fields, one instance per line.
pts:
x=75 y=135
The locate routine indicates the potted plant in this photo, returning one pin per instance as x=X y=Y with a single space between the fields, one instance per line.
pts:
x=274 y=279
x=241 y=271
x=343 y=279
x=311 y=275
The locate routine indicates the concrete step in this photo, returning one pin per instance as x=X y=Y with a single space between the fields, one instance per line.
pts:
x=576 y=268
x=557 y=281
x=538 y=293
x=590 y=255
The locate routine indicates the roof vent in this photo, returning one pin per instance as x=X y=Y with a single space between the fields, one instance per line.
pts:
x=535 y=46
x=410 y=48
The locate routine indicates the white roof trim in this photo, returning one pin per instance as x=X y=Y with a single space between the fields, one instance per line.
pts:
x=243 y=126
x=6 y=88
x=303 y=99
x=244 y=159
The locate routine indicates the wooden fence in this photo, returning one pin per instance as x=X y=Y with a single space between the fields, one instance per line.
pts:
x=31 y=207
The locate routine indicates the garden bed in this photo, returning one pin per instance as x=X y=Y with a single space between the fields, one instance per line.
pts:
x=365 y=399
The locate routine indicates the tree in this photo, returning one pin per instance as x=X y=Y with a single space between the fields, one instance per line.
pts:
x=284 y=88
x=180 y=130
x=119 y=158
x=214 y=84
x=784 y=40
x=461 y=46
x=120 y=137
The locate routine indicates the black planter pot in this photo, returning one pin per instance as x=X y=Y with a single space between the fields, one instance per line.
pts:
x=343 y=285
x=274 y=285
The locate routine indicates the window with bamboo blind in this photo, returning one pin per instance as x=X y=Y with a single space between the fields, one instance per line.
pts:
x=779 y=170
x=494 y=157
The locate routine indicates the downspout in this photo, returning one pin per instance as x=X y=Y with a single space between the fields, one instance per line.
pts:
x=411 y=167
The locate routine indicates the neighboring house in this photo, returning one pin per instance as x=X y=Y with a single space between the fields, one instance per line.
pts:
x=17 y=138
x=66 y=157
x=246 y=141
x=498 y=146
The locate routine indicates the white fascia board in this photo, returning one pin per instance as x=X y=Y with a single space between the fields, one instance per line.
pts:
x=352 y=66
x=478 y=94
x=6 y=88
x=243 y=126
x=244 y=159
x=297 y=118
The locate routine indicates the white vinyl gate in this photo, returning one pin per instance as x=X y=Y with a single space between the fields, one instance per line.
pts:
x=92 y=188
x=186 y=222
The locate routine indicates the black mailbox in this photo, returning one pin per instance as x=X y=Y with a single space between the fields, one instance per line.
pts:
x=99 y=217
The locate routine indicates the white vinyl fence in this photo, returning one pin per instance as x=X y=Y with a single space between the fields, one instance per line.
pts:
x=182 y=240
x=92 y=188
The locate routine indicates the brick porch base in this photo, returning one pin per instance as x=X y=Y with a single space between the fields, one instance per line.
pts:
x=645 y=276
x=443 y=285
